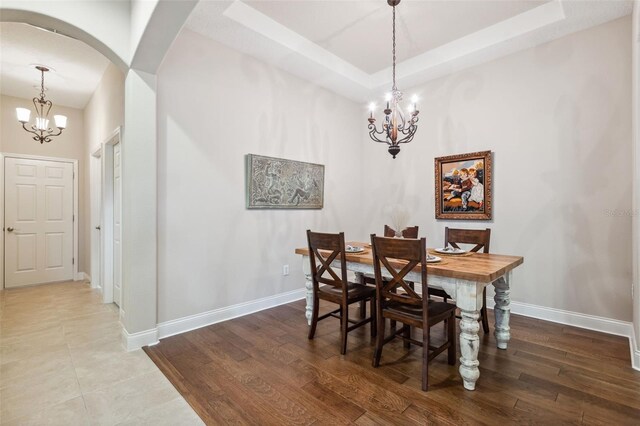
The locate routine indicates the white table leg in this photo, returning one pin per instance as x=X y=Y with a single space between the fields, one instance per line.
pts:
x=469 y=345
x=502 y=311
x=309 y=286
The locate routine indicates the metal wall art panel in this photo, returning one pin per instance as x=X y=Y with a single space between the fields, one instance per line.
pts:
x=276 y=183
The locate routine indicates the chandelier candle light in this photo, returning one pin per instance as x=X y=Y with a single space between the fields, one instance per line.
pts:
x=396 y=127
x=42 y=106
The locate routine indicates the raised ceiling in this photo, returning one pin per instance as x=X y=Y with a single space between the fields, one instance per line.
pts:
x=77 y=68
x=360 y=31
x=346 y=47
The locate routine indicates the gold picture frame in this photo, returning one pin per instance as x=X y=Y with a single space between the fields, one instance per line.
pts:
x=463 y=186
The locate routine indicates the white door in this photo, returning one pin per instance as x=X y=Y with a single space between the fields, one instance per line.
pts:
x=117 y=214
x=38 y=221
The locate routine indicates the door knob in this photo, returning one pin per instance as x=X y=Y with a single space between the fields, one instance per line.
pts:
x=10 y=229
x=98 y=227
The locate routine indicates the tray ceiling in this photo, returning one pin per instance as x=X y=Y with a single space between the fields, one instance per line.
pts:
x=345 y=46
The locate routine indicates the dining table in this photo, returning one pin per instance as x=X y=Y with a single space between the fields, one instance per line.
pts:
x=463 y=277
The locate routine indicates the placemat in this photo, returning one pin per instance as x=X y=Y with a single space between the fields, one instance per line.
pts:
x=435 y=253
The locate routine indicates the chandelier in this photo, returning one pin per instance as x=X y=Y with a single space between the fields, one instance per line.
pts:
x=396 y=127
x=40 y=129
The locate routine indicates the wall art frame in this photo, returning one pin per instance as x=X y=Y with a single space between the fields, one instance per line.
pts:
x=278 y=183
x=463 y=186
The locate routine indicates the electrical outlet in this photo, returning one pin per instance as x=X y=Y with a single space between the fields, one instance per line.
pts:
x=285 y=270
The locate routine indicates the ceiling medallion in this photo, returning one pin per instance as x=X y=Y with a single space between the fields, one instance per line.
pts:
x=396 y=128
x=42 y=106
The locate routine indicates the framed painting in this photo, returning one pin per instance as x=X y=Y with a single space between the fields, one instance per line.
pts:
x=463 y=186
x=276 y=183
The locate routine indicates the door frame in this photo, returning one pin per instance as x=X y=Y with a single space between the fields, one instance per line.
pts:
x=76 y=219
x=95 y=195
x=106 y=214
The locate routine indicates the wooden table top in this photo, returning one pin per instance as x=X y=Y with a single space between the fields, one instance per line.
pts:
x=479 y=267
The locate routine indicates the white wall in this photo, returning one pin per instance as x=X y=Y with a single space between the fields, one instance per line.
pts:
x=140 y=11
x=70 y=144
x=635 y=39
x=557 y=118
x=215 y=106
x=104 y=113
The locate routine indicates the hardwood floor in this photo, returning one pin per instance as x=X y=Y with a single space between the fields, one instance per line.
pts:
x=261 y=369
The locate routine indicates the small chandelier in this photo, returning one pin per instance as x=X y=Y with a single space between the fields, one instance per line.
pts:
x=396 y=127
x=42 y=106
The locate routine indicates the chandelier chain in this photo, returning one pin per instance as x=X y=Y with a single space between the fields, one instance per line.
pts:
x=394 y=49
x=42 y=84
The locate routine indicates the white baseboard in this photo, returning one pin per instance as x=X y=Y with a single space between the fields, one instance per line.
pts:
x=81 y=276
x=182 y=325
x=576 y=319
x=133 y=341
x=635 y=351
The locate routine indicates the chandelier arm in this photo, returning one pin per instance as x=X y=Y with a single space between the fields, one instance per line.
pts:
x=24 y=126
x=56 y=134
x=373 y=132
x=409 y=137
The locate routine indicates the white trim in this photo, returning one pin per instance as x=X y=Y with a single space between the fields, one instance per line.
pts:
x=76 y=200
x=577 y=319
x=182 y=325
x=106 y=215
x=82 y=276
x=635 y=351
x=95 y=212
x=2 y=221
x=134 y=341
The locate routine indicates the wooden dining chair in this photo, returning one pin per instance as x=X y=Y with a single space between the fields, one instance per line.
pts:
x=408 y=232
x=480 y=239
x=398 y=301
x=323 y=250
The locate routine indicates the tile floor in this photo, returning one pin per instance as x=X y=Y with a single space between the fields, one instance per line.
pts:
x=61 y=362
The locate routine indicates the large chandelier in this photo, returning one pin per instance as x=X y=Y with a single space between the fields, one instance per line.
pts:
x=396 y=128
x=40 y=129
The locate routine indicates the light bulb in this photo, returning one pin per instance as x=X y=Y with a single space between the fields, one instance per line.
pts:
x=414 y=99
x=42 y=123
x=61 y=121
x=23 y=114
x=372 y=107
x=387 y=97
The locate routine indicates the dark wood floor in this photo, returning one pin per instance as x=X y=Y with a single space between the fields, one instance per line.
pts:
x=261 y=369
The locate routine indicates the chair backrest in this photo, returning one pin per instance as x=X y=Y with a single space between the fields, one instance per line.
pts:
x=333 y=247
x=405 y=254
x=480 y=237
x=408 y=232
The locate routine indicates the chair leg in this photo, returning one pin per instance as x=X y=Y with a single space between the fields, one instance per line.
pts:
x=425 y=358
x=314 y=316
x=483 y=311
x=363 y=309
x=451 y=337
x=344 y=323
x=407 y=334
x=377 y=354
x=374 y=321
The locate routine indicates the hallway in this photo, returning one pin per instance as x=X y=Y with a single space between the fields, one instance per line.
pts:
x=61 y=362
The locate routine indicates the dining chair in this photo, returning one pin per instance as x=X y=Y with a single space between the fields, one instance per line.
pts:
x=398 y=301
x=408 y=232
x=480 y=239
x=323 y=250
